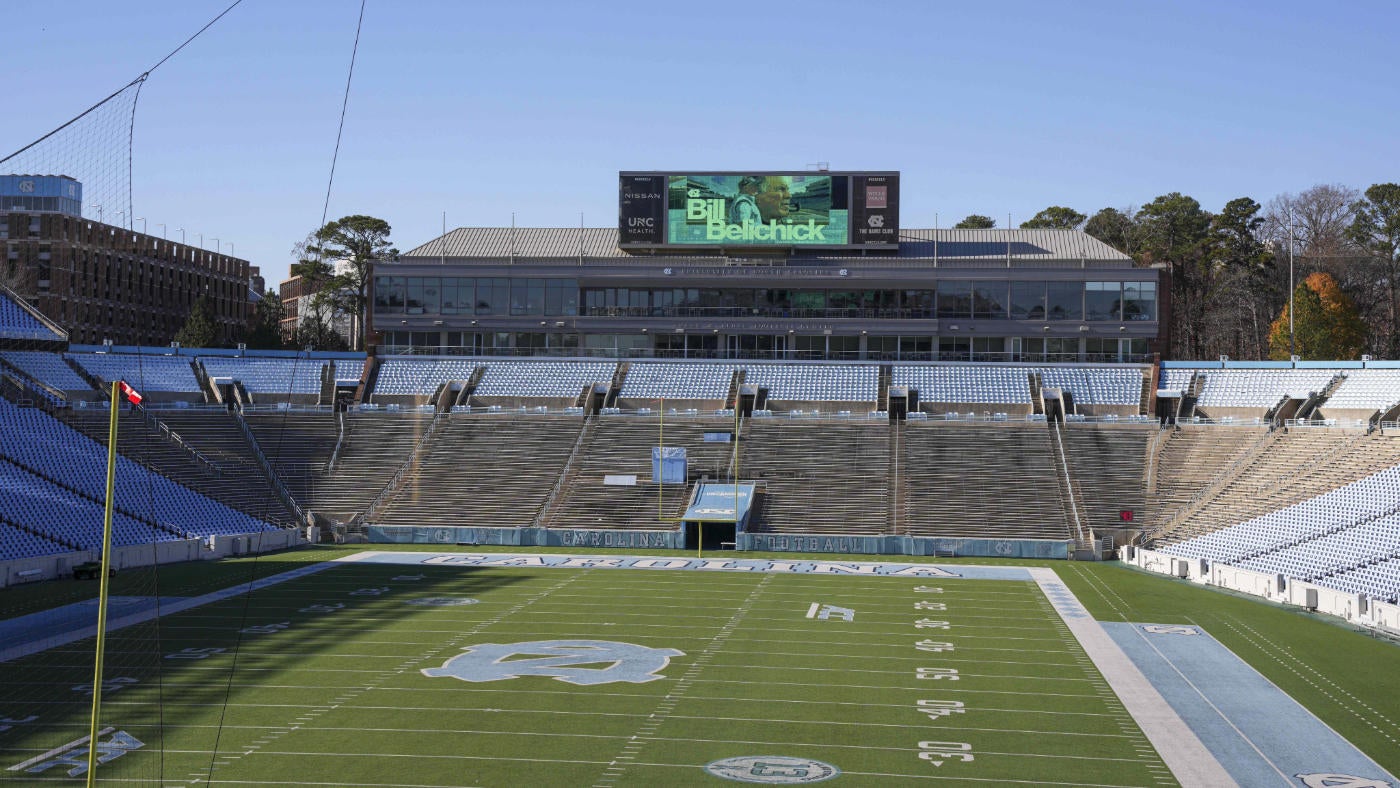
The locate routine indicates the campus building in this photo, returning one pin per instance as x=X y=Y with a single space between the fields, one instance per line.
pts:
x=827 y=274
x=100 y=281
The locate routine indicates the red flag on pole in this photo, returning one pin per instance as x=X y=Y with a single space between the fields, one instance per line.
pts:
x=132 y=395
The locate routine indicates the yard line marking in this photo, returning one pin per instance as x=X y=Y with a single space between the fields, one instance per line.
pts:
x=1179 y=747
x=699 y=663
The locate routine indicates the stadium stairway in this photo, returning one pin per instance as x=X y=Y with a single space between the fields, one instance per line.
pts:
x=482 y=470
x=621 y=445
x=300 y=446
x=1107 y=462
x=227 y=474
x=1189 y=460
x=1300 y=464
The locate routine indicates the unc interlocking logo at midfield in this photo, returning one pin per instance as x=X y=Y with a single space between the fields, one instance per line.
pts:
x=772 y=770
x=558 y=659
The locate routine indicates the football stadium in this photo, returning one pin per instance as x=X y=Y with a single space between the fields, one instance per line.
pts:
x=433 y=570
x=760 y=484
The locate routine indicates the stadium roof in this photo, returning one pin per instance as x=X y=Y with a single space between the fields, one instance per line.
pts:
x=495 y=243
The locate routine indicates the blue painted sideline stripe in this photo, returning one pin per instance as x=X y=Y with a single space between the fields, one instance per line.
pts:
x=1258 y=731
x=63 y=638
x=1186 y=755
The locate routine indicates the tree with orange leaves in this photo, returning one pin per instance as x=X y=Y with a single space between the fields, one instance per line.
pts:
x=1325 y=326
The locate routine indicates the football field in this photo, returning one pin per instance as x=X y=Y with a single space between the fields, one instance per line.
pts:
x=425 y=671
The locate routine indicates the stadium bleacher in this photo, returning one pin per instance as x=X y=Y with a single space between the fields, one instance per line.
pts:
x=966 y=383
x=149 y=373
x=17 y=323
x=816 y=382
x=419 y=376
x=1366 y=389
x=1260 y=388
x=556 y=379
x=39 y=446
x=48 y=368
x=678 y=380
x=268 y=375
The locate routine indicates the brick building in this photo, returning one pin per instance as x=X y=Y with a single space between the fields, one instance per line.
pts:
x=101 y=282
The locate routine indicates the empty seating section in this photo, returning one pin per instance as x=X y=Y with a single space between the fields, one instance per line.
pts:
x=980 y=481
x=46 y=448
x=349 y=369
x=1188 y=460
x=690 y=381
x=1270 y=542
x=17 y=543
x=48 y=368
x=1366 y=389
x=17 y=323
x=1096 y=385
x=1176 y=379
x=621 y=445
x=1378 y=580
x=1260 y=388
x=819 y=477
x=816 y=382
x=420 y=377
x=484 y=470
x=146 y=373
x=542 y=378
x=966 y=383
x=1313 y=559
x=1106 y=463
x=300 y=447
x=268 y=375
x=236 y=480
x=69 y=520
x=1296 y=465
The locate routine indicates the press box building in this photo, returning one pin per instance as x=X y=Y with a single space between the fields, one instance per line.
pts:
x=787 y=265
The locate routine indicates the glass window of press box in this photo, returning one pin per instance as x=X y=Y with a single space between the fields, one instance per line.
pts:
x=453 y=295
x=1029 y=300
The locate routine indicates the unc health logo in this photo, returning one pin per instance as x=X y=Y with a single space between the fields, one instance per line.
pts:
x=772 y=770
x=559 y=659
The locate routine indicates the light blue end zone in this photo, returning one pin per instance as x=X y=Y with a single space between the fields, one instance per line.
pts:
x=1258 y=733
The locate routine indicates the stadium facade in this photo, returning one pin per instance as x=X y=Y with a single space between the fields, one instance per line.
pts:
x=834 y=277
x=103 y=282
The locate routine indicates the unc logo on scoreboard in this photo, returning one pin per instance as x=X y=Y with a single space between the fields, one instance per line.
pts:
x=560 y=660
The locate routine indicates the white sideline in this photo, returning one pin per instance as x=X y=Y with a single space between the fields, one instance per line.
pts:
x=1189 y=760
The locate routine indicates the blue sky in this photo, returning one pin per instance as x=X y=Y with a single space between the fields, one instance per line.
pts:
x=484 y=109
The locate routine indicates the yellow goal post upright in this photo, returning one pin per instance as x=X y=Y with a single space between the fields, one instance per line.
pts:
x=104 y=582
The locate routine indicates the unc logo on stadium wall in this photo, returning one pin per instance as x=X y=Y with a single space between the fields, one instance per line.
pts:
x=558 y=659
x=772 y=770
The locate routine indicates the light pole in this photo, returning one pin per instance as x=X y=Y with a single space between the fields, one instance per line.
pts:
x=123 y=215
x=1292 y=349
x=218 y=247
x=142 y=220
x=181 y=231
x=99 y=213
x=201 y=240
x=162 y=231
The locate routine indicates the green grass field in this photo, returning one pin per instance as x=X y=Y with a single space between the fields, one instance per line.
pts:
x=318 y=681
